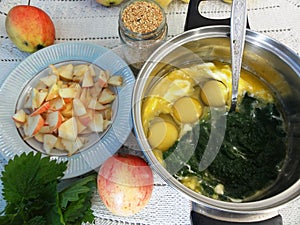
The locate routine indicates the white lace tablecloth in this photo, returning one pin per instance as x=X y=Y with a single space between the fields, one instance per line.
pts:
x=87 y=21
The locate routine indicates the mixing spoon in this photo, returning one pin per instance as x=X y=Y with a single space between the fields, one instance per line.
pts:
x=237 y=40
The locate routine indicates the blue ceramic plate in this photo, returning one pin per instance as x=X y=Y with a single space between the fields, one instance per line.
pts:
x=24 y=75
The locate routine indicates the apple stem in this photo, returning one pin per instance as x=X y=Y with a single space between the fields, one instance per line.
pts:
x=28 y=2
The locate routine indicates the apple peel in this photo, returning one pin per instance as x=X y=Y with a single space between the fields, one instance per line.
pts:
x=125 y=184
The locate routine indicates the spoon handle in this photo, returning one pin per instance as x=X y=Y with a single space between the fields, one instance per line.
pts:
x=237 y=40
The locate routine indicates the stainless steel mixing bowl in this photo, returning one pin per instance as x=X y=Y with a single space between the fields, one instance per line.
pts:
x=276 y=65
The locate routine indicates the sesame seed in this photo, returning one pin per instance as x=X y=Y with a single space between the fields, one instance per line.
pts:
x=142 y=17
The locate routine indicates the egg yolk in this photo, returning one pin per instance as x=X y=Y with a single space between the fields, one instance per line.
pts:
x=162 y=135
x=214 y=93
x=187 y=110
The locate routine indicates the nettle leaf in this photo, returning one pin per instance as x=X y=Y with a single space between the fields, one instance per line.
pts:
x=11 y=219
x=71 y=193
x=23 y=176
x=54 y=214
x=38 y=220
x=30 y=189
x=75 y=201
x=88 y=216
x=46 y=165
x=17 y=177
x=75 y=210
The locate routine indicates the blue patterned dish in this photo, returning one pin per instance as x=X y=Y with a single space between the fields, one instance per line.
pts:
x=12 y=89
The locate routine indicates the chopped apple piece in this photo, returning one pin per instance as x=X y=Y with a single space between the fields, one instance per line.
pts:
x=66 y=71
x=78 y=89
x=87 y=79
x=106 y=123
x=67 y=92
x=79 y=70
x=67 y=112
x=33 y=125
x=28 y=101
x=54 y=70
x=18 y=125
x=34 y=93
x=54 y=120
x=78 y=107
x=85 y=119
x=41 y=109
x=49 y=142
x=85 y=96
x=57 y=104
x=39 y=137
x=68 y=100
x=41 y=86
x=107 y=113
x=72 y=146
x=40 y=98
x=96 y=124
x=80 y=126
x=115 y=80
x=20 y=116
x=58 y=145
x=53 y=92
x=49 y=80
x=86 y=131
x=68 y=129
x=92 y=70
x=95 y=91
x=94 y=104
x=103 y=78
x=45 y=129
x=106 y=96
x=61 y=84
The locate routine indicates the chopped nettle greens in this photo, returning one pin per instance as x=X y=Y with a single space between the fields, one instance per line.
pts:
x=30 y=188
x=250 y=157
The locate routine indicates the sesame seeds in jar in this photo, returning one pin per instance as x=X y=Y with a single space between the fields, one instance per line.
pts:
x=142 y=28
x=142 y=17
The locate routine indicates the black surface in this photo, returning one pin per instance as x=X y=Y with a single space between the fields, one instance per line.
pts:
x=198 y=219
x=194 y=19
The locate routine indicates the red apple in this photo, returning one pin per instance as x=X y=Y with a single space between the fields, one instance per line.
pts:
x=29 y=28
x=125 y=184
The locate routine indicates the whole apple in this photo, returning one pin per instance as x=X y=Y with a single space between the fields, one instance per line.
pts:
x=29 y=28
x=109 y=3
x=125 y=184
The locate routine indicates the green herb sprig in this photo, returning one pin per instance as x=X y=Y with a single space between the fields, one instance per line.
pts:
x=30 y=188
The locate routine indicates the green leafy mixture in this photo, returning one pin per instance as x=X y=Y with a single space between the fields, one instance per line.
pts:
x=30 y=188
x=250 y=157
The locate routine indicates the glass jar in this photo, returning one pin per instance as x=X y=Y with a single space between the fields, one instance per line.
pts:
x=142 y=28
